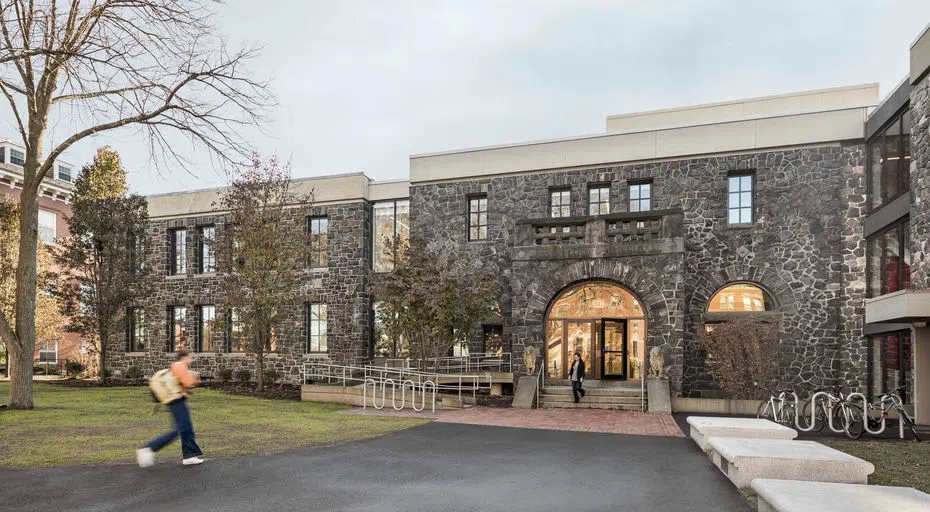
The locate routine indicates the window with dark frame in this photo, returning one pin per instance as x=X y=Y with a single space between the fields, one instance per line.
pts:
x=178 y=252
x=178 y=338
x=640 y=195
x=391 y=223
x=207 y=319
x=136 y=332
x=560 y=201
x=234 y=340
x=740 y=198
x=888 y=160
x=599 y=199
x=207 y=254
x=478 y=217
x=17 y=157
x=316 y=328
x=888 y=257
x=890 y=364
x=64 y=173
x=318 y=228
x=492 y=337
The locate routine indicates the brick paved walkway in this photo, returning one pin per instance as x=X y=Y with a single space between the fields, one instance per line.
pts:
x=579 y=420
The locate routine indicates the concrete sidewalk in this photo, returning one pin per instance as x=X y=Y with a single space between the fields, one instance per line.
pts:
x=438 y=466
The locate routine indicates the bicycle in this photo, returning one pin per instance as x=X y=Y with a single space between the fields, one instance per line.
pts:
x=828 y=409
x=778 y=408
x=885 y=403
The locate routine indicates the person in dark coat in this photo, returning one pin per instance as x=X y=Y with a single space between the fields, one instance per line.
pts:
x=576 y=374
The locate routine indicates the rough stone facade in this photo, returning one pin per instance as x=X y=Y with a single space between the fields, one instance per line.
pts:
x=343 y=286
x=805 y=248
x=920 y=185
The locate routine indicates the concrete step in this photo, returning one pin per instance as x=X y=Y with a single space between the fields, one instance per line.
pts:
x=596 y=383
x=588 y=405
x=588 y=398
x=562 y=390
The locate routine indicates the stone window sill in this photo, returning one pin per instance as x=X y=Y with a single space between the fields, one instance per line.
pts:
x=741 y=226
x=206 y=274
x=319 y=269
x=317 y=355
x=237 y=354
x=176 y=276
x=136 y=354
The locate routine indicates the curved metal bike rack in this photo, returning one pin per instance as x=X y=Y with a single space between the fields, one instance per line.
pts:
x=866 y=405
x=829 y=411
x=424 y=387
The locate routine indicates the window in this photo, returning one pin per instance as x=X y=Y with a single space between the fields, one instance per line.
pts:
x=316 y=323
x=177 y=329
x=740 y=298
x=391 y=223
x=64 y=173
x=136 y=335
x=890 y=364
x=48 y=355
x=560 y=203
x=178 y=256
x=137 y=253
x=640 y=197
x=2 y=154
x=234 y=333
x=599 y=200
x=888 y=161
x=493 y=338
x=478 y=217
x=318 y=227
x=207 y=254
x=888 y=254
x=205 y=333
x=17 y=157
x=386 y=345
x=739 y=204
x=47 y=226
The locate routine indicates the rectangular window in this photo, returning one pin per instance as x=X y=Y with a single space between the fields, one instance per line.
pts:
x=234 y=334
x=641 y=197
x=391 y=229
x=136 y=334
x=178 y=256
x=739 y=203
x=2 y=154
x=49 y=354
x=177 y=329
x=207 y=254
x=890 y=365
x=888 y=161
x=48 y=222
x=17 y=157
x=318 y=227
x=478 y=217
x=599 y=200
x=560 y=203
x=888 y=257
x=205 y=333
x=64 y=173
x=316 y=327
x=493 y=338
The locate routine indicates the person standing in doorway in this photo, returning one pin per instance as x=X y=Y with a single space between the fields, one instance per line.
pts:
x=183 y=426
x=577 y=376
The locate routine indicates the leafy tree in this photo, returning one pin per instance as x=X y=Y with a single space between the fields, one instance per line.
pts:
x=742 y=356
x=159 y=66
x=48 y=319
x=264 y=250
x=434 y=298
x=103 y=256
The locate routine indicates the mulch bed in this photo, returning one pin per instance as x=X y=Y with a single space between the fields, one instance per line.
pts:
x=93 y=383
x=271 y=391
x=494 y=401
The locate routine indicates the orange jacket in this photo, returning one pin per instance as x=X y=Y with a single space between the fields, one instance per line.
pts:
x=187 y=379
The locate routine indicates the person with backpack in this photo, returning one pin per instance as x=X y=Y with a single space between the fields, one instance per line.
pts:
x=172 y=388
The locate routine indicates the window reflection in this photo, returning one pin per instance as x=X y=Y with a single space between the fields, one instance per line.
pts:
x=741 y=297
x=391 y=223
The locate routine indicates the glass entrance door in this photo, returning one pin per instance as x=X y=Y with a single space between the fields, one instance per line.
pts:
x=613 y=336
x=579 y=336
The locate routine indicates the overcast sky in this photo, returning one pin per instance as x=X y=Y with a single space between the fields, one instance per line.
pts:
x=364 y=84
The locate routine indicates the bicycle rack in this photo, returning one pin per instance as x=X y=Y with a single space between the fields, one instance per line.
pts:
x=797 y=415
x=424 y=386
x=865 y=419
x=829 y=411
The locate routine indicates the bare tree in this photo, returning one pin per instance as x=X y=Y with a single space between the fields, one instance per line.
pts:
x=156 y=65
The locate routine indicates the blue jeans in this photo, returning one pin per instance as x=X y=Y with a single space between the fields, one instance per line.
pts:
x=183 y=427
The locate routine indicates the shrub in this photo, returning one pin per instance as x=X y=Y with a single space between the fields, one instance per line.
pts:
x=73 y=368
x=38 y=369
x=742 y=356
x=225 y=374
x=133 y=372
x=271 y=376
x=244 y=375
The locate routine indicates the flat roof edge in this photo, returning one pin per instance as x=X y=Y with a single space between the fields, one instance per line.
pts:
x=293 y=180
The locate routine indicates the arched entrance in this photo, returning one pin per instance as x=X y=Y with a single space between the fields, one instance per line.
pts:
x=605 y=323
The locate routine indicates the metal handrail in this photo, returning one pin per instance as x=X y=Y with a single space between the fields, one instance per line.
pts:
x=540 y=381
x=351 y=375
x=476 y=361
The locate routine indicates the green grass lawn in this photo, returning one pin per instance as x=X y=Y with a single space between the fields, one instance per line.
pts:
x=73 y=426
x=897 y=463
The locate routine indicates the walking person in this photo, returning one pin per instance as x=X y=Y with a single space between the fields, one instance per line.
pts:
x=172 y=387
x=577 y=376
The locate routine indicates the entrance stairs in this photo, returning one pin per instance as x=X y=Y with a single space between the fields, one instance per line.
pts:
x=625 y=396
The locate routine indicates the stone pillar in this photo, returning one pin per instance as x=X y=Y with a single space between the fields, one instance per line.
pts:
x=920 y=354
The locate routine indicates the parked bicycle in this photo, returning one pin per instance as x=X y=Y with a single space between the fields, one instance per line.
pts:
x=877 y=408
x=778 y=408
x=832 y=410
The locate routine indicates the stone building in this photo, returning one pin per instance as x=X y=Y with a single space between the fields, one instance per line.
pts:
x=613 y=244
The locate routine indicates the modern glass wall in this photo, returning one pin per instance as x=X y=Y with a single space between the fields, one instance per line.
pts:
x=391 y=229
x=889 y=160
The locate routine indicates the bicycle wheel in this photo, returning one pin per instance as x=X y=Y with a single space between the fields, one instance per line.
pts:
x=820 y=417
x=766 y=412
x=852 y=420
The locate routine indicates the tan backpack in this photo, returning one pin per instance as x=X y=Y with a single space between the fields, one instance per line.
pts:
x=165 y=387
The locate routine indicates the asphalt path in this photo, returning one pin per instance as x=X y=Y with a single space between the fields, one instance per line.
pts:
x=435 y=467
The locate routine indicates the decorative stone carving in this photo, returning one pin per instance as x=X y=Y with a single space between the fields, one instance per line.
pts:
x=656 y=363
x=530 y=355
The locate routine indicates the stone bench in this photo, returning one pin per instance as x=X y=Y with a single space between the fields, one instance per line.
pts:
x=797 y=496
x=704 y=427
x=742 y=460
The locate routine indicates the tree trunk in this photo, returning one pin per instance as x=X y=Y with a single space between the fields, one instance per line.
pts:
x=260 y=370
x=22 y=349
x=103 y=357
x=20 y=371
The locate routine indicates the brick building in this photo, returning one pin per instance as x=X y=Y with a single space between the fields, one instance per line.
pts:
x=613 y=244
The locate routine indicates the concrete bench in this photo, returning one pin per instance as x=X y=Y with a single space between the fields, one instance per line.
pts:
x=797 y=496
x=704 y=427
x=742 y=460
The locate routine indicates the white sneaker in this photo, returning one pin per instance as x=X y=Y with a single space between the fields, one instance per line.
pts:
x=145 y=457
x=190 y=461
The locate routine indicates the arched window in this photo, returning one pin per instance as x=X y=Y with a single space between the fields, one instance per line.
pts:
x=741 y=298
